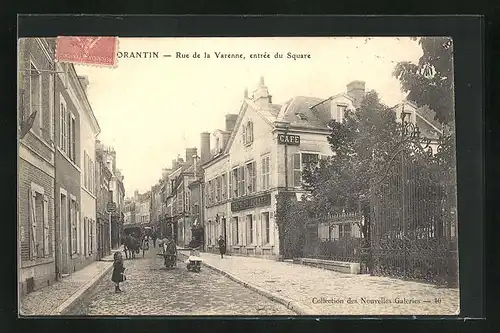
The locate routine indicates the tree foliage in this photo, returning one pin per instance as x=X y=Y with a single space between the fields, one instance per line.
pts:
x=361 y=145
x=430 y=81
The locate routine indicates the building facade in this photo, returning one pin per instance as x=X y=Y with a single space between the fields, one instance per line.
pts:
x=37 y=150
x=103 y=180
x=69 y=111
x=264 y=155
x=89 y=130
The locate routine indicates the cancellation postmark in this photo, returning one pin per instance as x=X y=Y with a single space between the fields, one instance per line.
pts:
x=87 y=50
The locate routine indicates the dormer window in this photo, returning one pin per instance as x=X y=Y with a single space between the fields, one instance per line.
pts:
x=247 y=133
x=341 y=112
x=301 y=116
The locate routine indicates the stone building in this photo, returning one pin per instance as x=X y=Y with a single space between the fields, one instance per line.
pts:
x=103 y=179
x=36 y=177
x=89 y=130
x=264 y=155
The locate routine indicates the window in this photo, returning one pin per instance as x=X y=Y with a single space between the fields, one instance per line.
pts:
x=236 y=233
x=218 y=182
x=211 y=192
x=85 y=235
x=249 y=229
x=91 y=237
x=301 y=161
x=265 y=173
x=209 y=232
x=73 y=226
x=224 y=186
x=235 y=183
x=265 y=228
x=241 y=178
x=72 y=138
x=63 y=116
x=251 y=177
x=36 y=93
x=247 y=133
x=39 y=238
x=341 y=112
x=85 y=169
x=345 y=230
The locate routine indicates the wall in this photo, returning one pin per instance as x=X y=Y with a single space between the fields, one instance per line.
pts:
x=88 y=195
x=212 y=171
x=36 y=164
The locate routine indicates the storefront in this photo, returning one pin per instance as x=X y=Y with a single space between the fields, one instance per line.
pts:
x=252 y=230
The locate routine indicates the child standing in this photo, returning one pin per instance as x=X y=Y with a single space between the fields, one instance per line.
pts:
x=118 y=269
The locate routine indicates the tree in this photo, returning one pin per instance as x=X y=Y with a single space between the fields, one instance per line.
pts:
x=430 y=82
x=361 y=146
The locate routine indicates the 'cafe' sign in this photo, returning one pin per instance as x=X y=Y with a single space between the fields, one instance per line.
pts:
x=288 y=139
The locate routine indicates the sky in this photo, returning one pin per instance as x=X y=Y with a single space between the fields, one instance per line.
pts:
x=150 y=110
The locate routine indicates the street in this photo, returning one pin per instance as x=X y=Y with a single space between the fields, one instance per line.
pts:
x=151 y=289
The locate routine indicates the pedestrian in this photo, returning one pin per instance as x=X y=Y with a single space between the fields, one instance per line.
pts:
x=154 y=238
x=222 y=246
x=118 y=271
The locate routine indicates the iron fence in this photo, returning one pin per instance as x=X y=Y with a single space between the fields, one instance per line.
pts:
x=413 y=232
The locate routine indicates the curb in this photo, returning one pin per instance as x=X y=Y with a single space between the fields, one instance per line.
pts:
x=82 y=292
x=291 y=305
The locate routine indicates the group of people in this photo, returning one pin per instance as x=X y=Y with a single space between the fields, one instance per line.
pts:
x=167 y=243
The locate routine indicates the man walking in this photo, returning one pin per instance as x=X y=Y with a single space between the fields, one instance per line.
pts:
x=222 y=246
x=154 y=238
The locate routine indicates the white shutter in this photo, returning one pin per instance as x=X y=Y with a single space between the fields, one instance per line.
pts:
x=33 y=223
x=46 y=226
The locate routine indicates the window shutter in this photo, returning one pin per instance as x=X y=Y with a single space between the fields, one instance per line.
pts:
x=32 y=220
x=78 y=233
x=46 y=226
x=244 y=133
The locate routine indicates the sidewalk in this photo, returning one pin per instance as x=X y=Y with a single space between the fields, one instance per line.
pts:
x=313 y=291
x=59 y=297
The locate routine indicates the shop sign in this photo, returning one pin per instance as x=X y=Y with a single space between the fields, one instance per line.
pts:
x=247 y=203
x=288 y=139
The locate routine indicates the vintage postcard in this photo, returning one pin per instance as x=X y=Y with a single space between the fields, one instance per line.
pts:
x=237 y=176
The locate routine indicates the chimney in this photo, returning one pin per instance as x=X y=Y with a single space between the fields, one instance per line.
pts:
x=84 y=80
x=356 y=90
x=205 y=147
x=245 y=94
x=230 y=122
x=190 y=153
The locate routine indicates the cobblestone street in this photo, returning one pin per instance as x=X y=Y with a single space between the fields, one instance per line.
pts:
x=151 y=289
x=324 y=292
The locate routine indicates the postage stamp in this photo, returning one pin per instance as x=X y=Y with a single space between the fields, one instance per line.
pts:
x=90 y=50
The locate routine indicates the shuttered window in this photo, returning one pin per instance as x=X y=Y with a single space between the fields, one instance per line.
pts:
x=39 y=223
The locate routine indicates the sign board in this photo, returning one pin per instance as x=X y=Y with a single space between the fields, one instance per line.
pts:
x=288 y=139
x=111 y=207
x=247 y=203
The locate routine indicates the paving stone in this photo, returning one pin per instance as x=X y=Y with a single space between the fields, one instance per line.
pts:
x=151 y=289
x=368 y=295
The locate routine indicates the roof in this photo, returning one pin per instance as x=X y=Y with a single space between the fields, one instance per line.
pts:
x=299 y=113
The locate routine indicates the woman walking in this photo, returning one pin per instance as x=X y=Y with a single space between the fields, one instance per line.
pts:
x=222 y=246
x=118 y=269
